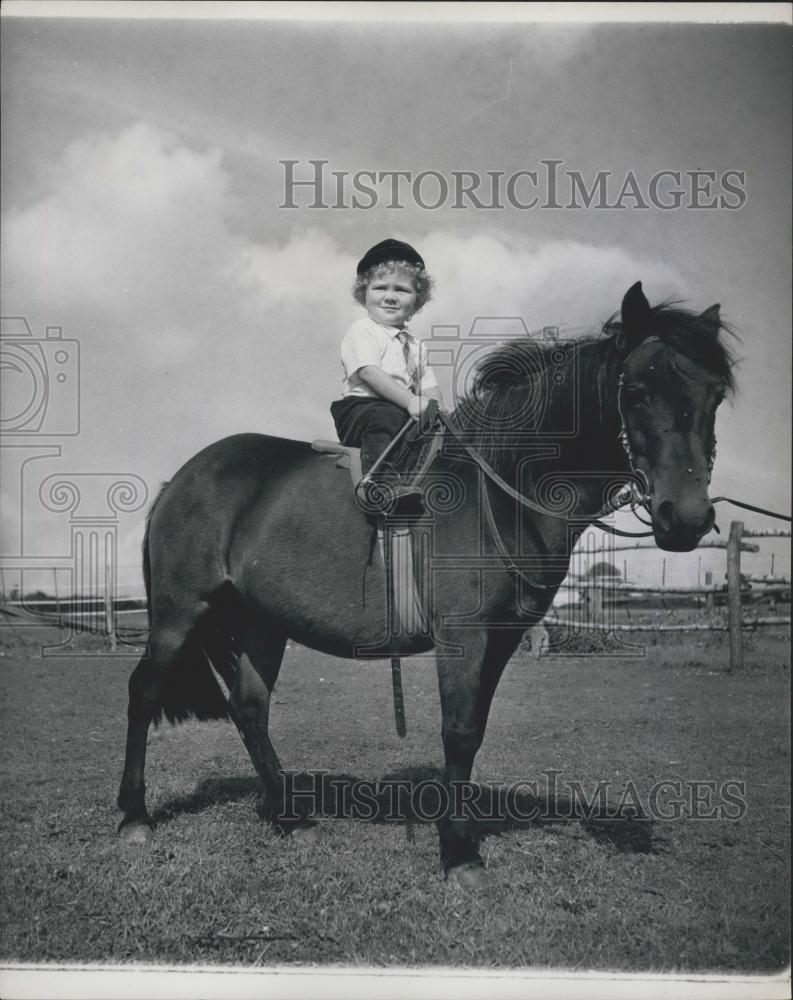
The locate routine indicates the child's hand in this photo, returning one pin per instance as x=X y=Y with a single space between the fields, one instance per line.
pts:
x=417 y=406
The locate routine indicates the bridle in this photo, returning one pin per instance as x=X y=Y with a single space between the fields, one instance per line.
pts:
x=636 y=496
x=631 y=494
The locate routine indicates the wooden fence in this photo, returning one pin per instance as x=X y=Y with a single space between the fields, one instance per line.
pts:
x=597 y=594
x=100 y=615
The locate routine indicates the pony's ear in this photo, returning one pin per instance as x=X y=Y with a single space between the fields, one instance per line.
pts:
x=635 y=317
x=711 y=319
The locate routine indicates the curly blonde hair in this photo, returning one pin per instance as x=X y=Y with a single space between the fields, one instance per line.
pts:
x=422 y=280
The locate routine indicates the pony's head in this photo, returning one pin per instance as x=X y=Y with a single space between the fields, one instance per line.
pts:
x=675 y=370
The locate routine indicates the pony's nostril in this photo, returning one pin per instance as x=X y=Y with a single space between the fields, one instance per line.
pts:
x=664 y=514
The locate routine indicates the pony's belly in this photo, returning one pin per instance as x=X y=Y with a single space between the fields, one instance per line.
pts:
x=380 y=644
x=345 y=615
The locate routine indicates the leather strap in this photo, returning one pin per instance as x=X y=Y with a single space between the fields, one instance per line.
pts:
x=622 y=500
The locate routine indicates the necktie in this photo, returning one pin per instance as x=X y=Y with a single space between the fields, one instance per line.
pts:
x=409 y=366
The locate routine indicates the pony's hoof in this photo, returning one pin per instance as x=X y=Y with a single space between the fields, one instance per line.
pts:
x=307 y=833
x=470 y=875
x=303 y=830
x=136 y=834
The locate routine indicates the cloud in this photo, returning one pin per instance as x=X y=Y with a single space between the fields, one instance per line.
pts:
x=131 y=218
x=190 y=330
x=566 y=283
x=135 y=251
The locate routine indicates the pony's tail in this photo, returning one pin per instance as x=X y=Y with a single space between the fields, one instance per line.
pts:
x=188 y=687
x=146 y=556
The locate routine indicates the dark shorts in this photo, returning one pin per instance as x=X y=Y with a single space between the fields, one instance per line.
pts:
x=356 y=416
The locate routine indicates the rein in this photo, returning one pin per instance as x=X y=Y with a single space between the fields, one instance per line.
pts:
x=627 y=496
x=621 y=500
x=749 y=506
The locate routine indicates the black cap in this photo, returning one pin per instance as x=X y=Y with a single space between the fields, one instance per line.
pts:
x=389 y=250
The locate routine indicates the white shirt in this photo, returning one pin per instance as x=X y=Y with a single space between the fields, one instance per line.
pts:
x=370 y=343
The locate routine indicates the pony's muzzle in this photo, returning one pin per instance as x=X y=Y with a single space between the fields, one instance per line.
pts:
x=678 y=527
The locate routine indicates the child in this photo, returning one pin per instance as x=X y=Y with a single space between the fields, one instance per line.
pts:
x=386 y=378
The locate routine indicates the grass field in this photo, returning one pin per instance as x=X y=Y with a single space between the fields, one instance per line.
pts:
x=217 y=887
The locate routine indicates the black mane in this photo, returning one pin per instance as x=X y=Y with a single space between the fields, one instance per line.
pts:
x=529 y=386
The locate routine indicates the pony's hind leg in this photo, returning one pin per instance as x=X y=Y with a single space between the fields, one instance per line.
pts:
x=145 y=689
x=261 y=651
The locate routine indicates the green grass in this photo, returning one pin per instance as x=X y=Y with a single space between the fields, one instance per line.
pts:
x=217 y=887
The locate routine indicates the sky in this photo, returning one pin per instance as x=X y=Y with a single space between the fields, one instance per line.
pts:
x=142 y=212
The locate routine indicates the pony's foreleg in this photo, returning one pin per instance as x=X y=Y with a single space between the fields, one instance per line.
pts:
x=466 y=688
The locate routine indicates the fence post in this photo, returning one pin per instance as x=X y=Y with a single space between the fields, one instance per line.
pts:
x=597 y=606
x=710 y=599
x=734 y=594
x=57 y=598
x=109 y=607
